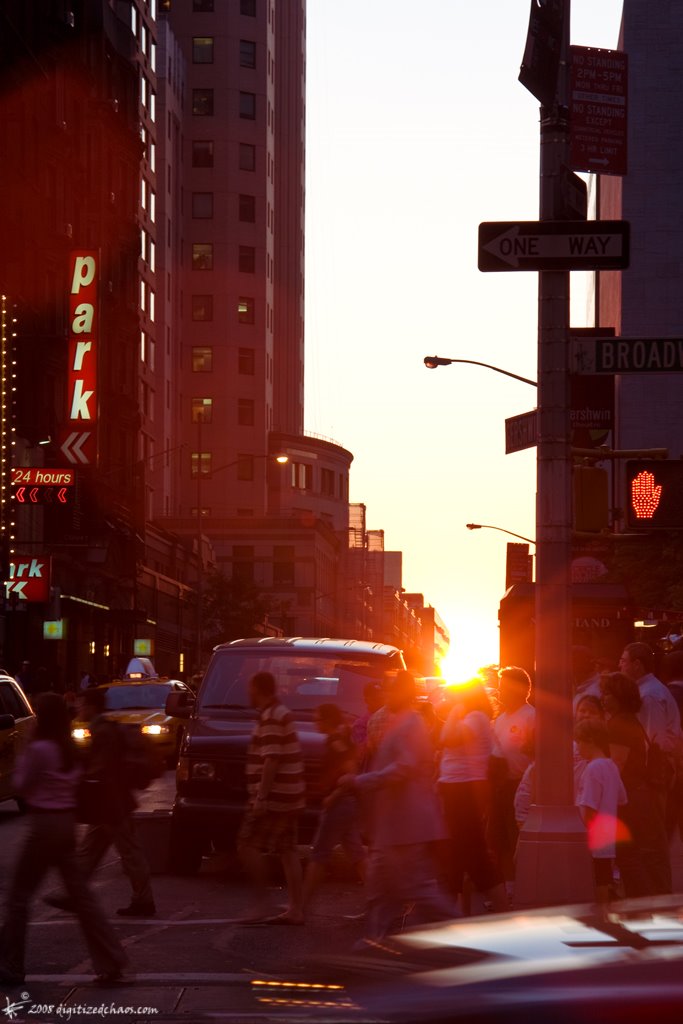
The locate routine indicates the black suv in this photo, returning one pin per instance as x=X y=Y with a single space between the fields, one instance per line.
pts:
x=211 y=791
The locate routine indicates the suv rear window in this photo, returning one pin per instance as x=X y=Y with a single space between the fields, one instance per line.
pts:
x=303 y=680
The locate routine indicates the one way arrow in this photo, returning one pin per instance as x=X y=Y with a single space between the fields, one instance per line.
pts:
x=554 y=245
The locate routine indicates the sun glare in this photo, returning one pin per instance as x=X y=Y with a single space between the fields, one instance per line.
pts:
x=472 y=647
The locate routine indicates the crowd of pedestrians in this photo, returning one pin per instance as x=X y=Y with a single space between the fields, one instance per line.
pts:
x=437 y=800
x=426 y=806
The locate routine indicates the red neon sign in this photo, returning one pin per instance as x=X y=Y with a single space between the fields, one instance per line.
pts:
x=82 y=380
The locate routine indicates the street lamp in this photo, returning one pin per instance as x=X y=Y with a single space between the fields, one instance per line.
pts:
x=485 y=526
x=281 y=459
x=431 y=362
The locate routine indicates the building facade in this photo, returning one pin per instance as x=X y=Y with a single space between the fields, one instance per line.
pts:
x=153 y=314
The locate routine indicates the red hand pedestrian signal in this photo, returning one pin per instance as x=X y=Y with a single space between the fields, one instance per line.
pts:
x=645 y=495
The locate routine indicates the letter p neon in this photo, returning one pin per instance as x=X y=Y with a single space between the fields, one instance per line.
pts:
x=84 y=273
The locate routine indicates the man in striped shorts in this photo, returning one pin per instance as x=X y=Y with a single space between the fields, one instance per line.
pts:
x=275 y=784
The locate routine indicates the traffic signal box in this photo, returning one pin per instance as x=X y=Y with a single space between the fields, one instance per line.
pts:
x=654 y=494
x=591 y=501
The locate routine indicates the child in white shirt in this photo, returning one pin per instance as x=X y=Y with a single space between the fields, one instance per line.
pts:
x=599 y=796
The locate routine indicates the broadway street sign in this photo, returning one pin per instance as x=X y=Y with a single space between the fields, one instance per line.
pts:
x=554 y=245
x=626 y=355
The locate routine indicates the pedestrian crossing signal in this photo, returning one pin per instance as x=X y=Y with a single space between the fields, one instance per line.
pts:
x=654 y=494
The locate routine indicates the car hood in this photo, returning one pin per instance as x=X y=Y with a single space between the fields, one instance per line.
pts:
x=224 y=736
x=131 y=716
x=561 y=958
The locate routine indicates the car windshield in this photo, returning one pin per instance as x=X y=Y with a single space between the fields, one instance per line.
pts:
x=304 y=680
x=137 y=695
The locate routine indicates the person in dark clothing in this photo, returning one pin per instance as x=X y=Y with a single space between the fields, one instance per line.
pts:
x=117 y=827
x=26 y=679
x=339 y=819
x=628 y=745
x=46 y=776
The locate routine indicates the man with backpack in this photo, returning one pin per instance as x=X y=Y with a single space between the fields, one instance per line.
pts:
x=119 y=768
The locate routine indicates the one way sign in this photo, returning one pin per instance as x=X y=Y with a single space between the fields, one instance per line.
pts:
x=554 y=245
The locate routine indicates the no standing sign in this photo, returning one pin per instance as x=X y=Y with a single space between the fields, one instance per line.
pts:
x=598 y=112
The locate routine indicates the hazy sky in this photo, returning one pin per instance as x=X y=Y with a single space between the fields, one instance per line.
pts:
x=418 y=130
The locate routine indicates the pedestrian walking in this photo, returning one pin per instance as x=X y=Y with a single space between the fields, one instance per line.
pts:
x=339 y=819
x=513 y=733
x=405 y=819
x=276 y=788
x=116 y=825
x=464 y=787
x=46 y=778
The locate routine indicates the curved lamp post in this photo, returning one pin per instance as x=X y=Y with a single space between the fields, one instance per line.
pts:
x=485 y=526
x=431 y=362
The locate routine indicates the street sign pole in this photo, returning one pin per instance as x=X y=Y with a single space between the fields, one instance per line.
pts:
x=553 y=862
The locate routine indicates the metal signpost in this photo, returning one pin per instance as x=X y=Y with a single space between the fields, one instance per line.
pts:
x=553 y=862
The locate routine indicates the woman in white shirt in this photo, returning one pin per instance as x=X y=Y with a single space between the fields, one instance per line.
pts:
x=464 y=787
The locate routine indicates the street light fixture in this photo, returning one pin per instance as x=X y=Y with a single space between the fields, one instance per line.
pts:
x=431 y=362
x=485 y=526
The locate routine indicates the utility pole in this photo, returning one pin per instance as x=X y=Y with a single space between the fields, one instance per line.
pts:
x=553 y=862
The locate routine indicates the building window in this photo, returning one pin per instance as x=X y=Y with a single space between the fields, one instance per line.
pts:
x=247 y=209
x=245 y=467
x=247 y=157
x=248 y=8
x=202 y=307
x=202 y=359
x=202 y=6
x=247 y=259
x=200 y=464
x=246 y=361
x=202 y=256
x=202 y=410
x=245 y=309
x=245 y=412
x=302 y=476
x=202 y=50
x=202 y=153
x=202 y=205
x=202 y=102
x=247 y=53
x=248 y=105
x=327 y=482
x=283 y=565
x=243 y=563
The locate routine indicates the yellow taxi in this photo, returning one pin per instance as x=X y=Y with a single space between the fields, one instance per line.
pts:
x=138 y=701
x=16 y=725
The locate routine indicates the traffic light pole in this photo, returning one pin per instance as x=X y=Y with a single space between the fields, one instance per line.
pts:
x=553 y=862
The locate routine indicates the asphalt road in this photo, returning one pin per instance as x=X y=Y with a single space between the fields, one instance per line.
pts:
x=192 y=961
